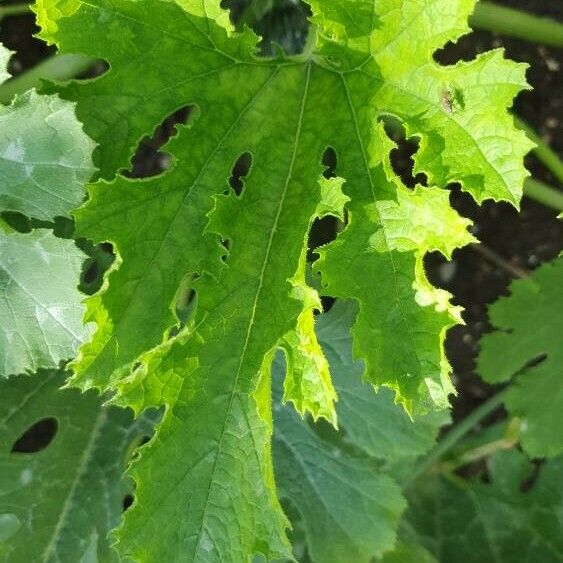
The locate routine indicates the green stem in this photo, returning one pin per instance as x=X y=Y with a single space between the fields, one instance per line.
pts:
x=479 y=453
x=516 y=23
x=543 y=152
x=56 y=68
x=14 y=10
x=543 y=193
x=457 y=433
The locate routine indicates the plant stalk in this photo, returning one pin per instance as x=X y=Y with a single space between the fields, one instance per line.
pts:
x=548 y=157
x=543 y=193
x=457 y=433
x=14 y=10
x=56 y=68
x=516 y=23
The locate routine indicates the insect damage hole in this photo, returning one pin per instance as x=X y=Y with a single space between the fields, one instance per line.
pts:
x=127 y=501
x=241 y=169
x=148 y=159
x=402 y=156
x=185 y=304
x=329 y=161
x=324 y=230
x=100 y=258
x=37 y=437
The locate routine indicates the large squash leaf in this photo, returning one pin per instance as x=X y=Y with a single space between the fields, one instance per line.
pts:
x=243 y=254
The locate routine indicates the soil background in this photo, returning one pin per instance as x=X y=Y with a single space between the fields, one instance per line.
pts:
x=513 y=243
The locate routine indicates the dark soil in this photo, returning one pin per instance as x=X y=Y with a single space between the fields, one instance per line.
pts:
x=513 y=242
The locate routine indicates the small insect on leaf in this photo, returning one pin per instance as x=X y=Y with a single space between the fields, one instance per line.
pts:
x=451 y=98
x=447 y=99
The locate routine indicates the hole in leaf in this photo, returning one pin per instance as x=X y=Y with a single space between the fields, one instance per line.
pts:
x=528 y=483
x=148 y=159
x=284 y=23
x=94 y=71
x=37 y=437
x=128 y=500
x=144 y=440
x=91 y=272
x=134 y=447
x=185 y=304
x=327 y=302
x=64 y=227
x=226 y=244
x=330 y=162
x=100 y=258
x=241 y=169
x=322 y=232
x=401 y=157
x=465 y=49
x=16 y=221
x=324 y=229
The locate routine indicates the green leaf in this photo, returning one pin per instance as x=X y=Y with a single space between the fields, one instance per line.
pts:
x=45 y=157
x=371 y=420
x=40 y=305
x=45 y=162
x=475 y=521
x=216 y=490
x=350 y=510
x=173 y=208
x=59 y=500
x=408 y=553
x=308 y=384
x=332 y=490
x=366 y=61
x=400 y=328
x=529 y=330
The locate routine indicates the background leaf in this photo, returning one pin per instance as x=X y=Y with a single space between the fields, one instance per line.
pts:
x=529 y=329
x=62 y=456
x=370 y=419
x=45 y=162
x=45 y=157
x=476 y=521
x=40 y=305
